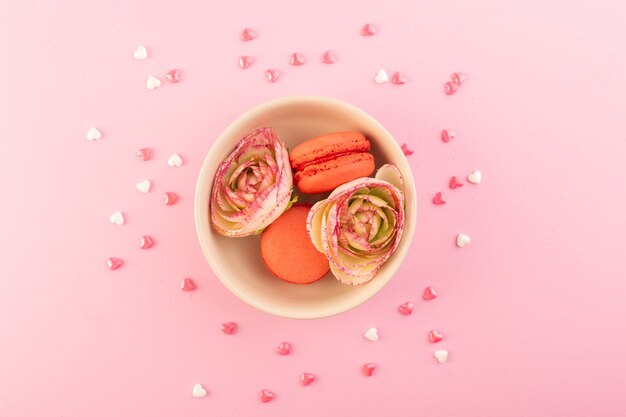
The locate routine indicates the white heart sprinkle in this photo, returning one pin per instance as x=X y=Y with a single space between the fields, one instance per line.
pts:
x=199 y=391
x=462 y=240
x=175 y=160
x=441 y=356
x=117 y=218
x=381 y=77
x=371 y=334
x=93 y=134
x=143 y=186
x=475 y=177
x=140 y=53
x=152 y=83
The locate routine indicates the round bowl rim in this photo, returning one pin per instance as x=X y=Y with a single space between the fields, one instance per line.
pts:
x=200 y=211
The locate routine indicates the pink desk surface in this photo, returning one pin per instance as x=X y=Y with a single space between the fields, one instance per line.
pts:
x=533 y=310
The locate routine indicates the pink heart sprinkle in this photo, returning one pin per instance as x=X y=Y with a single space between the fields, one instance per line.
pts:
x=187 y=284
x=406 y=149
x=447 y=135
x=368 y=30
x=170 y=198
x=450 y=88
x=245 y=61
x=173 y=76
x=439 y=199
x=248 y=34
x=307 y=378
x=272 y=75
x=284 y=348
x=458 y=78
x=114 y=263
x=329 y=57
x=146 y=242
x=430 y=294
x=398 y=78
x=145 y=154
x=368 y=369
x=266 y=396
x=435 y=336
x=296 y=59
x=455 y=183
x=406 y=308
x=229 y=328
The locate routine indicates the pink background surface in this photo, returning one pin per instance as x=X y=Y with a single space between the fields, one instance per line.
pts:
x=533 y=310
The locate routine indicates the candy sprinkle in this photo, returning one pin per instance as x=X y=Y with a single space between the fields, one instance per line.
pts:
x=173 y=76
x=229 y=327
x=248 y=35
x=266 y=395
x=406 y=149
x=381 y=77
x=170 y=198
x=450 y=88
x=187 y=284
x=475 y=177
x=307 y=378
x=439 y=199
x=296 y=59
x=371 y=334
x=245 y=61
x=368 y=369
x=441 y=356
x=174 y=160
x=435 y=336
x=114 y=263
x=329 y=57
x=368 y=30
x=140 y=53
x=462 y=240
x=430 y=294
x=144 y=154
x=198 y=391
x=117 y=218
x=398 y=78
x=272 y=75
x=447 y=135
x=143 y=186
x=458 y=78
x=406 y=308
x=93 y=134
x=146 y=242
x=455 y=183
x=284 y=348
x=153 y=83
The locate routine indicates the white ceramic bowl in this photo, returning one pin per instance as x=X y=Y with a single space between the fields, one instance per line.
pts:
x=237 y=261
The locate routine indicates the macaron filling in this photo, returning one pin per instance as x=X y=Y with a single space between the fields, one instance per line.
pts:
x=329 y=163
x=325 y=152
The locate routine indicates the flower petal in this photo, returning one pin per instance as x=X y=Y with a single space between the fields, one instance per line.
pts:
x=252 y=186
x=359 y=226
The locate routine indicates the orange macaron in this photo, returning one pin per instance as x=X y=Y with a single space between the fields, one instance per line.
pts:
x=287 y=250
x=323 y=163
